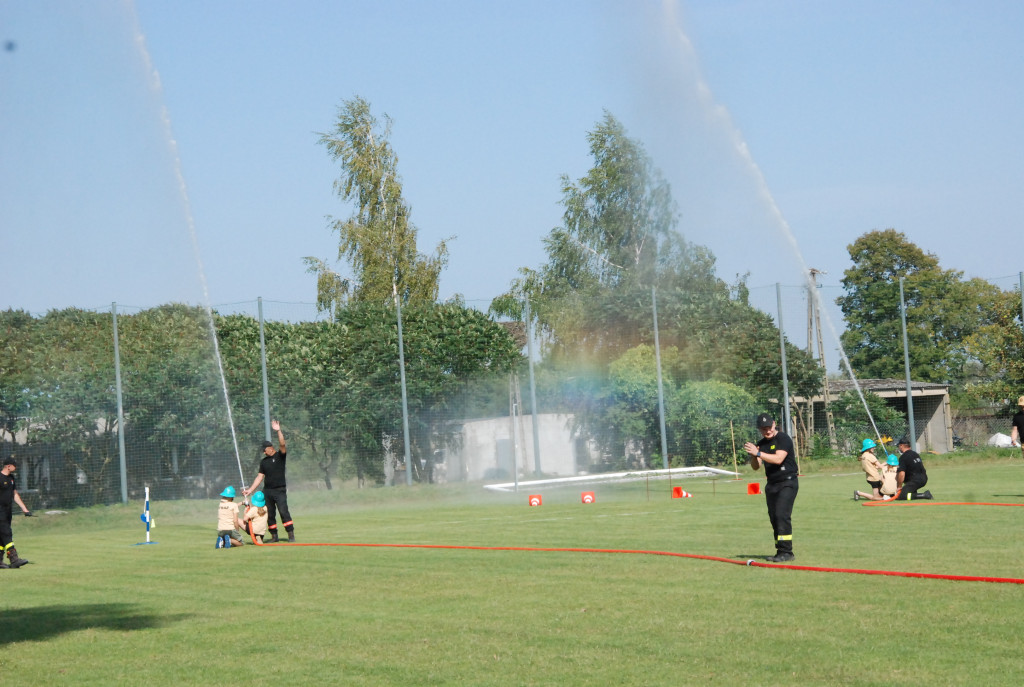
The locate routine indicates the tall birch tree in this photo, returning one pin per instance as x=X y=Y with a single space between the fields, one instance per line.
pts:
x=378 y=240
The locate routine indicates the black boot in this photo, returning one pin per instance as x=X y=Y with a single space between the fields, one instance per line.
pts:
x=273 y=536
x=12 y=554
x=291 y=536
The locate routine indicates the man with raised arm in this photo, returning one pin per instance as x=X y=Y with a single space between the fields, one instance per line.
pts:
x=275 y=487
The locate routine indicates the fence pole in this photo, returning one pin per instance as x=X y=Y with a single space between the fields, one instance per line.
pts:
x=263 y=364
x=533 y=391
x=906 y=369
x=405 y=398
x=120 y=408
x=661 y=388
x=785 y=370
x=1021 y=277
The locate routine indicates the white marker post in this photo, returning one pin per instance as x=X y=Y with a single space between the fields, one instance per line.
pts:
x=148 y=520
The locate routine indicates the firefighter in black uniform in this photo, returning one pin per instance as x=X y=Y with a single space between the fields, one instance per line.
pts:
x=275 y=488
x=775 y=450
x=8 y=497
x=911 y=475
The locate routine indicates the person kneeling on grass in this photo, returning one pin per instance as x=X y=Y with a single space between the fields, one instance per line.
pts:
x=889 y=473
x=228 y=525
x=911 y=475
x=872 y=470
x=255 y=517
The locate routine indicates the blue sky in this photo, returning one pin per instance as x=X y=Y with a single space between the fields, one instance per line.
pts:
x=825 y=119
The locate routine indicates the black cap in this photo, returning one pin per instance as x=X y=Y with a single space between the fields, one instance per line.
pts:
x=10 y=461
x=267 y=444
x=764 y=420
x=904 y=441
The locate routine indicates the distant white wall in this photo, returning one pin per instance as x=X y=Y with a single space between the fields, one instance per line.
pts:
x=488 y=445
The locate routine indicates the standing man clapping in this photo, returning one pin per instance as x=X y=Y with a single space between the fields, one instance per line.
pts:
x=775 y=450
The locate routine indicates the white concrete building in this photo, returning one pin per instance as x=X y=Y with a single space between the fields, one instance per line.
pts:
x=489 y=448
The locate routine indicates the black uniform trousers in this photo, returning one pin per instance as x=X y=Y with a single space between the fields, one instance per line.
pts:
x=908 y=492
x=6 y=534
x=780 y=497
x=277 y=500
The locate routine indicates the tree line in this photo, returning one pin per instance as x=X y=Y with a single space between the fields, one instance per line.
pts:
x=966 y=333
x=334 y=385
x=618 y=251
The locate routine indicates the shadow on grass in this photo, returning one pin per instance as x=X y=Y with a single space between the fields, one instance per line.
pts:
x=760 y=557
x=33 y=624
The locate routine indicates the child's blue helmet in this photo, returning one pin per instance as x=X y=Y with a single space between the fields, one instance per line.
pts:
x=892 y=460
x=258 y=499
x=228 y=493
x=866 y=444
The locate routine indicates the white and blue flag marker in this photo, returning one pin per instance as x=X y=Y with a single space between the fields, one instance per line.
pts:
x=146 y=518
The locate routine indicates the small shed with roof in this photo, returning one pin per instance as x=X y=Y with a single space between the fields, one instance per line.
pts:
x=933 y=417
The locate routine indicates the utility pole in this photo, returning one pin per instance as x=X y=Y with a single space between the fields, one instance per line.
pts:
x=814 y=322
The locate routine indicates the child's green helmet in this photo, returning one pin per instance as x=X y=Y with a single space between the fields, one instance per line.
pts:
x=258 y=499
x=892 y=460
x=866 y=444
x=228 y=493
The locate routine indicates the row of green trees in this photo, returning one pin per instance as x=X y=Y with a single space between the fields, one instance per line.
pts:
x=334 y=386
x=963 y=332
x=619 y=245
x=618 y=250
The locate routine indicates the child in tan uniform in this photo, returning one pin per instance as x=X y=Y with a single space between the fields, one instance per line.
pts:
x=255 y=516
x=889 y=483
x=228 y=524
x=872 y=470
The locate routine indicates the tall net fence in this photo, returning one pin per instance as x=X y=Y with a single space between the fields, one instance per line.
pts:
x=668 y=380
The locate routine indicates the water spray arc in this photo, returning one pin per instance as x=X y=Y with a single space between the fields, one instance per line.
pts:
x=183 y=196
x=723 y=119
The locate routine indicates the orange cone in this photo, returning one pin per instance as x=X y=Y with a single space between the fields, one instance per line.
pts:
x=753 y=487
x=587 y=497
x=535 y=500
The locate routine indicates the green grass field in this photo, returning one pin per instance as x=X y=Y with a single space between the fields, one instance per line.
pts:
x=94 y=609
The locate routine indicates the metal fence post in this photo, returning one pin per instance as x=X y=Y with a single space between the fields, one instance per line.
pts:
x=263 y=364
x=785 y=370
x=405 y=401
x=661 y=388
x=120 y=408
x=1021 y=277
x=906 y=368
x=533 y=391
